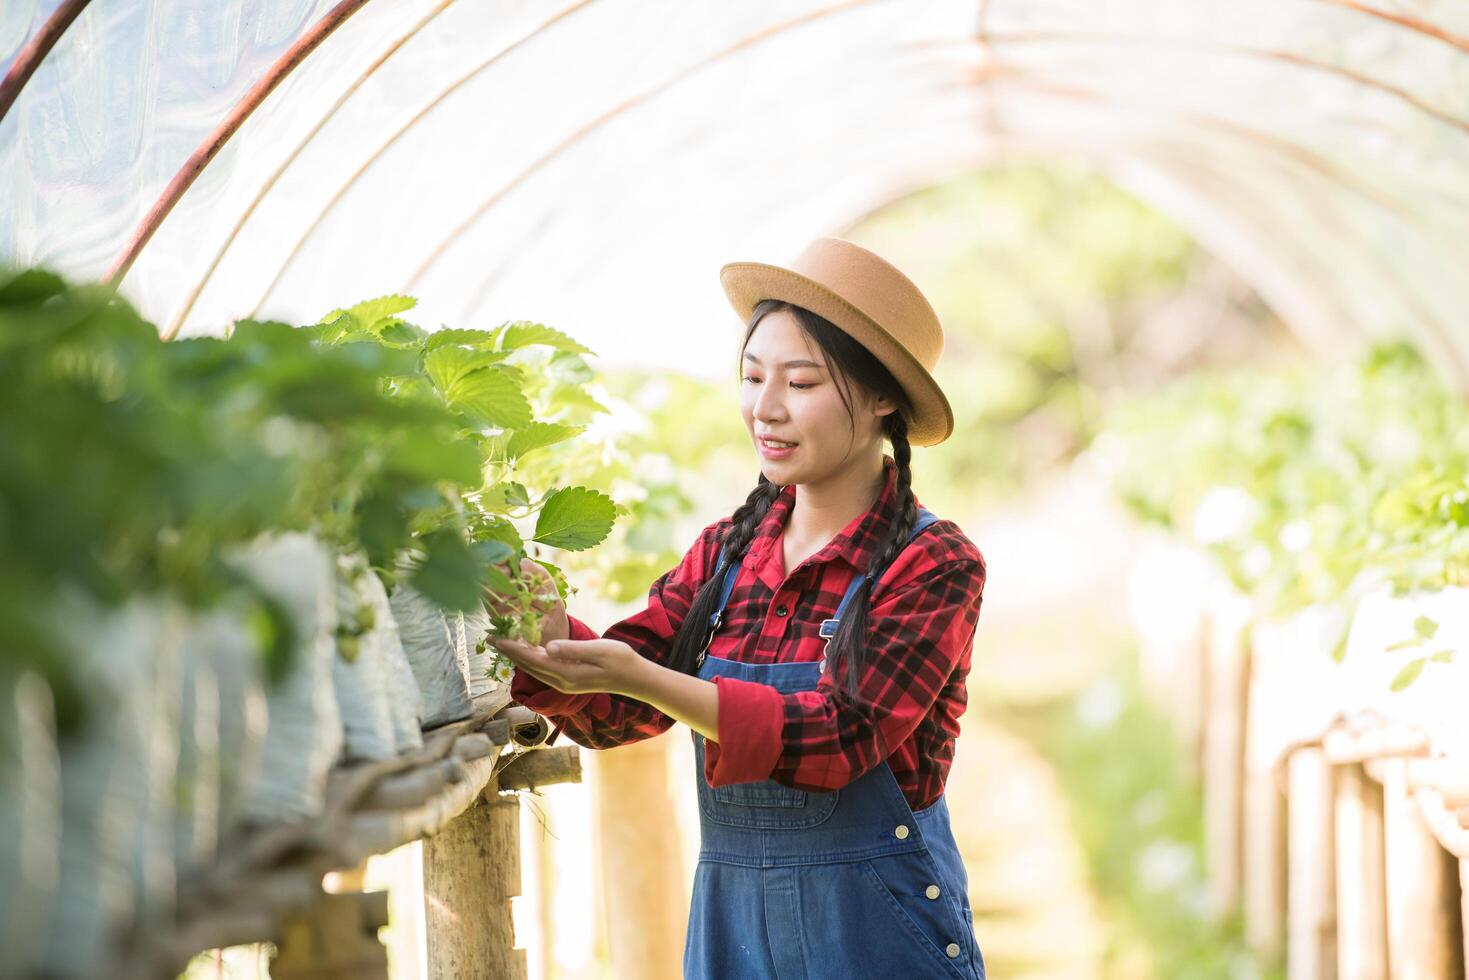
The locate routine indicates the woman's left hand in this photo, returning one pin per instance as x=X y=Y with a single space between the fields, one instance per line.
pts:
x=579 y=666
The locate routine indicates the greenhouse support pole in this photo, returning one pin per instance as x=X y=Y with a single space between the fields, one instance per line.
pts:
x=1423 y=940
x=471 y=870
x=1311 y=890
x=1361 y=901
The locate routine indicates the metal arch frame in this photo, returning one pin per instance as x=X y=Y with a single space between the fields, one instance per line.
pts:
x=35 y=50
x=531 y=168
x=988 y=37
x=1286 y=57
x=176 y=324
x=1405 y=21
x=1428 y=323
x=398 y=134
x=176 y=321
x=589 y=127
x=299 y=50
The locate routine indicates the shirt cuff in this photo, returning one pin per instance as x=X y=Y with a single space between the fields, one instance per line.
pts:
x=544 y=699
x=580 y=630
x=751 y=717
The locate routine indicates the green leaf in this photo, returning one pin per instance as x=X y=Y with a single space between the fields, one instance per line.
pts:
x=517 y=494
x=575 y=518
x=492 y=396
x=447 y=366
x=1442 y=656
x=432 y=460
x=29 y=285
x=524 y=333
x=573 y=396
x=1425 y=627
x=538 y=435
x=1403 y=644
x=491 y=550
x=1409 y=673
x=450 y=572
x=478 y=339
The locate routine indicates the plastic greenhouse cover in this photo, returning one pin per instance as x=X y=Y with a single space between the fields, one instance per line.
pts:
x=591 y=164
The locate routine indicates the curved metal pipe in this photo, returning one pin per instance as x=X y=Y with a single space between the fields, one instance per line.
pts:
x=1286 y=57
x=749 y=40
x=1407 y=21
x=200 y=158
x=35 y=51
x=177 y=321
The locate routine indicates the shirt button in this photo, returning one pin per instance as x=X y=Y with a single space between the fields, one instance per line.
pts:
x=781 y=610
x=952 y=949
x=901 y=833
x=932 y=891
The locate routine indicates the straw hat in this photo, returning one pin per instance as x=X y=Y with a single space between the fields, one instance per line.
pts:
x=866 y=296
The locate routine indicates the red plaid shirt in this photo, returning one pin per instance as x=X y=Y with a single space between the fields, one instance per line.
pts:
x=921 y=621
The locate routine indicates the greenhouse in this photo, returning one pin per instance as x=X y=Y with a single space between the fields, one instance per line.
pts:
x=353 y=354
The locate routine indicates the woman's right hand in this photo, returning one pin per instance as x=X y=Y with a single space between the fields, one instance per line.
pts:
x=554 y=624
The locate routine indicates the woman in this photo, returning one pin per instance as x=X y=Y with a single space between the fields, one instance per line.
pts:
x=816 y=642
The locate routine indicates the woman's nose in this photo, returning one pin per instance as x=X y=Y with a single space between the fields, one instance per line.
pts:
x=768 y=403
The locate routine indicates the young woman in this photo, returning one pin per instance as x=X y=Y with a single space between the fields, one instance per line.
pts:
x=816 y=642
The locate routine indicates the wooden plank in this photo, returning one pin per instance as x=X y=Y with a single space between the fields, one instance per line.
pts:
x=471 y=869
x=1226 y=661
x=1423 y=938
x=1311 y=931
x=640 y=860
x=1464 y=911
x=1361 y=898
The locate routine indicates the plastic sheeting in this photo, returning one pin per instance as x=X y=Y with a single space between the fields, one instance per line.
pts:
x=591 y=164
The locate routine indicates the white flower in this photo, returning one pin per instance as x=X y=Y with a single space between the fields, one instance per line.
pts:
x=1224 y=513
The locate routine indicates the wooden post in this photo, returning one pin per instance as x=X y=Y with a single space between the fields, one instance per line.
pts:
x=1263 y=817
x=1464 y=910
x=1422 y=888
x=1361 y=898
x=1224 y=742
x=334 y=938
x=471 y=869
x=1311 y=944
x=640 y=860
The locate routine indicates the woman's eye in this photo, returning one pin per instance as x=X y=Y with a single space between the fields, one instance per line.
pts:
x=749 y=378
x=803 y=387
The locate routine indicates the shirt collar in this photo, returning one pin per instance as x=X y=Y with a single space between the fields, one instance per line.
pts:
x=856 y=544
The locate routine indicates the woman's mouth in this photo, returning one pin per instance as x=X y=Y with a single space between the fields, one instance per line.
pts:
x=775 y=449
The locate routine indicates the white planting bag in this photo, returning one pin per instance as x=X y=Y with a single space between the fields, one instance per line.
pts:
x=432 y=649
x=304 y=737
x=30 y=819
x=358 y=670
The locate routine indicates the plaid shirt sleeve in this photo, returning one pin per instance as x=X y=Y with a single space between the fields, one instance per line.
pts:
x=600 y=721
x=919 y=639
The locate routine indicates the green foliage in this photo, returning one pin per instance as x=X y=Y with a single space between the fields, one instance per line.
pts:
x=128 y=465
x=1309 y=487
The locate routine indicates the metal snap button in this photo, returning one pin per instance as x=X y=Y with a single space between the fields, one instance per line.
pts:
x=932 y=891
x=781 y=610
x=952 y=949
x=901 y=833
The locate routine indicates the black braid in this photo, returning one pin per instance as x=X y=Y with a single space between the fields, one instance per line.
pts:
x=848 y=648
x=693 y=632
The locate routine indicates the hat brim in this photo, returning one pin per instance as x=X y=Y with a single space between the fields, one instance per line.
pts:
x=747 y=283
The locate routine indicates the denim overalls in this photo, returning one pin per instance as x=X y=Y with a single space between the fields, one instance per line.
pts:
x=845 y=885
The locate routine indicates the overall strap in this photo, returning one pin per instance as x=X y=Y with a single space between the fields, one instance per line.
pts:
x=730 y=571
x=829 y=626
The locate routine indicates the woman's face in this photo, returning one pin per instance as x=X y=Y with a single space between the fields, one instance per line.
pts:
x=787 y=393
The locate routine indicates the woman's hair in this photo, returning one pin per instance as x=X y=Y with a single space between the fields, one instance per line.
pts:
x=850 y=362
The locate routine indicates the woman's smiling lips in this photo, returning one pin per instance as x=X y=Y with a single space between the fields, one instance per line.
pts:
x=774 y=451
